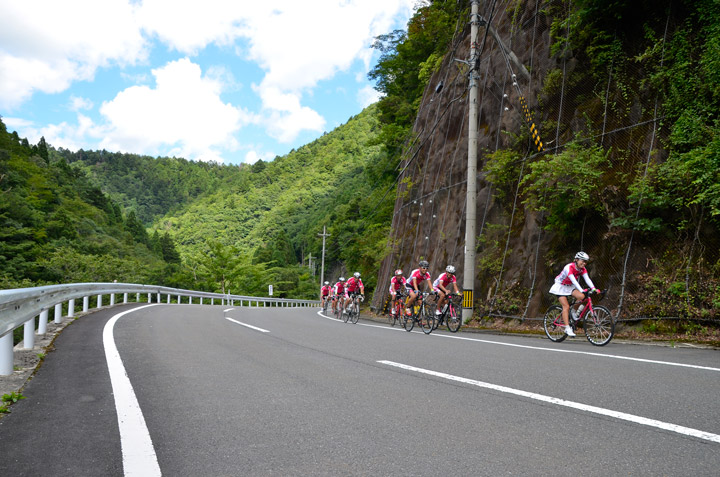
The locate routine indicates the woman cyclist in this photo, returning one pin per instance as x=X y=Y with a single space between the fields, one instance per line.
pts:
x=325 y=293
x=440 y=286
x=567 y=284
x=416 y=277
x=397 y=283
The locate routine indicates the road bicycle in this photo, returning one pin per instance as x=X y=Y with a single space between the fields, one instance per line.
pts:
x=325 y=305
x=596 y=321
x=422 y=313
x=450 y=315
x=399 y=310
x=352 y=313
x=338 y=312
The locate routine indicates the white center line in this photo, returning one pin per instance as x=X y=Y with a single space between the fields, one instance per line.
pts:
x=687 y=431
x=137 y=448
x=245 y=324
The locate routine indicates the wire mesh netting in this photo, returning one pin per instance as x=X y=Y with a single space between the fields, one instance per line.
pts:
x=566 y=153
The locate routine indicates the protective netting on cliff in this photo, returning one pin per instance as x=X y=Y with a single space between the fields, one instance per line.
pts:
x=580 y=184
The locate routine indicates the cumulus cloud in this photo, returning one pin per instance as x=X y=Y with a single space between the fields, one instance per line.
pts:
x=184 y=109
x=48 y=45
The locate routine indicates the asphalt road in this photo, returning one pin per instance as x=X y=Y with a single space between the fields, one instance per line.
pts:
x=301 y=394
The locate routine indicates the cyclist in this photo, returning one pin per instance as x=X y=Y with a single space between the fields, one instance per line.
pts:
x=413 y=283
x=353 y=285
x=397 y=283
x=325 y=293
x=567 y=284
x=440 y=286
x=339 y=292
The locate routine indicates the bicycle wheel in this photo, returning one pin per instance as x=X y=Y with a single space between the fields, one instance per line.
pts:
x=453 y=321
x=427 y=319
x=338 y=311
x=346 y=313
x=409 y=322
x=553 y=324
x=392 y=319
x=599 y=326
x=355 y=313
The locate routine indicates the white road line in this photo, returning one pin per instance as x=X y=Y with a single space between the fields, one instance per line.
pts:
x=229 y=309
x=687 y=431
x=138 y=453
x=245 y=324
x=540 y=348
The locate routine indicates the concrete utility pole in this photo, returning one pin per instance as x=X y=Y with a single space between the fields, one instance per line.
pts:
x=322 y=266
x=471 y=207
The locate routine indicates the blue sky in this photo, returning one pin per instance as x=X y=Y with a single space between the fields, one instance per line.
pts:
x=226 y=80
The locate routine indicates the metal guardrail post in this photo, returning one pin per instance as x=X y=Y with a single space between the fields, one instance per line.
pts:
x=42 y=322
x=6 y=354
x=86 y=304
x=71 y=306
x=58 y=313
x=29 y=334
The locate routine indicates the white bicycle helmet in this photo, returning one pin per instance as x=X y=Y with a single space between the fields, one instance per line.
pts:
x=341 y=279
x=450 y=269
x=327 y=283
x=398 y=272
x=582 y=256
x=356 y=274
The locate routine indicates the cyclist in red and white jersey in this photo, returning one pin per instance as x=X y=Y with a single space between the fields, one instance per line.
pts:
x=397 y=283
x=567 y=284
x=353 y=286
x=440 y=286
x=325 y=293
x=339 y=291
x=417 y=276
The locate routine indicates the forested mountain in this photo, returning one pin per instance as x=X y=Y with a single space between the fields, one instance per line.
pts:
x=57 y=226
x=146 y=185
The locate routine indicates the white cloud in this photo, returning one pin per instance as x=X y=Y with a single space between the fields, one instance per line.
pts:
x=184 y=110
x=367 y=96
x=77 y=103
x=47 y=45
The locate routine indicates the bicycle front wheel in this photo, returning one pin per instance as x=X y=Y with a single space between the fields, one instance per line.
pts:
x=392 y=319
x=354 y=313
x=427 y=319
x=599 y=326
x=452 y=320
x=553 y=324
x=346 y=314
x=409 y=322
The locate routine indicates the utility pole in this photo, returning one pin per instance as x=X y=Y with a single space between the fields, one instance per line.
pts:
x=322 y=266
x=471 y=197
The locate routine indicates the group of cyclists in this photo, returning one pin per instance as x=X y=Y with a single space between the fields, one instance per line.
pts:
x=342 y=292
x=566 y=285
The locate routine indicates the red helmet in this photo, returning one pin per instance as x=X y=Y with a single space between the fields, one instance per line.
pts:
x=398 y=272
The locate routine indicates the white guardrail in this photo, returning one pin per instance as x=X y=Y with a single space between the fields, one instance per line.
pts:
x=19 y=307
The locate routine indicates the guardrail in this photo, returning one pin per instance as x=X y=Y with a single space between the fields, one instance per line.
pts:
x=19 y=307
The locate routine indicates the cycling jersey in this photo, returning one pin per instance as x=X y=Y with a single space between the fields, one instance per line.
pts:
x=397 y=283
x=339 y=288
x=419 y=276
x=325 y=290
x=354 y=284
x=570 y=274
x=445 y=279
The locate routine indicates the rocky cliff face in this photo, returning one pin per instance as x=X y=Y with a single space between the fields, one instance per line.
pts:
x=518 y=255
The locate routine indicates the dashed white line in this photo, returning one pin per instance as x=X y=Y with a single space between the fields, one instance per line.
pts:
x=687 y=431
x=246 y=325
x=229 y=309
x=138 y=453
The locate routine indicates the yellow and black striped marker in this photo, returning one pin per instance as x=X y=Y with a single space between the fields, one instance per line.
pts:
x=533 y=129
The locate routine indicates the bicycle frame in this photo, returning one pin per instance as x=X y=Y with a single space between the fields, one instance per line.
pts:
x=598 y=323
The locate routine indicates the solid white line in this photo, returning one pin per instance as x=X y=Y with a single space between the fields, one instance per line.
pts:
x=229 y=309
x=138 y=453
x=687 y=431
x=249 y=326
x=540 y=348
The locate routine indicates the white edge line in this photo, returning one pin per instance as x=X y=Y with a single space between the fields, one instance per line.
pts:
x=668 y=363
x=687 y=431
x=229 y=309
x=138 y=453
x=540 y=348
x=246 y=325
